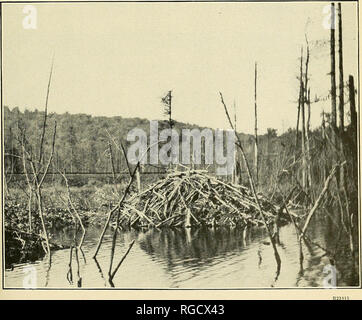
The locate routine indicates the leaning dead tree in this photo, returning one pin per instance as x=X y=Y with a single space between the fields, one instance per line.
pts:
x=341 y=88
x=253 y=189
x=299 y=104
x=308 y=141
x=302 y=109
x=38 y=169
x=333 y=72
x=111 y=274
x=118 y=210
x=28 y=181
x=306 y=124
x=352 y=102
x=319 y=199
x=73 y=211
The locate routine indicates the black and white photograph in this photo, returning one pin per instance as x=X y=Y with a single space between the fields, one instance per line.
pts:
x=180 y=146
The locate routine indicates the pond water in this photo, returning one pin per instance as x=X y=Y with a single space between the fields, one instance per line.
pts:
x=200 y=258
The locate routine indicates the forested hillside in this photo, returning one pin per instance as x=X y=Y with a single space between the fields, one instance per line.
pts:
x=82 y=145
x=82 y=141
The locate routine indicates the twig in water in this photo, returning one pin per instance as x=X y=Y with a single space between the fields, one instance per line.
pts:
x=124 y=257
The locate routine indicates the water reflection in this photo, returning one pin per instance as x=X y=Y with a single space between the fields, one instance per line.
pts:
x=193 y=258
x=192 y=246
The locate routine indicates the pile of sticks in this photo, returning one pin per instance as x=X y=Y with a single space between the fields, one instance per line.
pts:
x=193 y=197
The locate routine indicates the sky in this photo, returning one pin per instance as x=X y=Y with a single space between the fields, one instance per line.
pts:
x=120 y=59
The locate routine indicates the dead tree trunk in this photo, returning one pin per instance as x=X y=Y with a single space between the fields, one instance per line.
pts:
x=341 y=81
x=352 y=103
x=353 y=112
x=302 y=111
x=333 y=72
x=309 y=170
x=256 y=128
x=235 y=173
x=319 y=200
x=341 y=89
x=305 y=141
x=45 y=118
x=74 y=212
x=300 y=99
x=304 y=163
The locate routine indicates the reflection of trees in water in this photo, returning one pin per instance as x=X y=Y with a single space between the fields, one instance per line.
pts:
x=193 y=246
x=328 y=233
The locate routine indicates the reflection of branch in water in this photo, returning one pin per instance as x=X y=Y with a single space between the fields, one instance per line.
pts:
x=245 y=233
x=260 y=258
x=100 y=270
x=337 y=243
x=111 y=283
x=70 y=272
x=48 y=270
x=83 y=255
x=79 y=281
x=171 y=244
x=298 y=230
x=74 y=245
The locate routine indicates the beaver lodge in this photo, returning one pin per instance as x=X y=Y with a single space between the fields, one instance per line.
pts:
x=194 y=198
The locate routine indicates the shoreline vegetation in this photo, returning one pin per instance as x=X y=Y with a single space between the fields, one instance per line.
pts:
x=48 y=185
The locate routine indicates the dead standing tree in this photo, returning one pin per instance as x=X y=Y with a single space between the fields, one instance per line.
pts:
x=167 y=102
x=353 y=113
x=308 y=148
x=25 y=154
x=28 y=181
x=306 y=125
x=333 y=75
x=300 y=102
